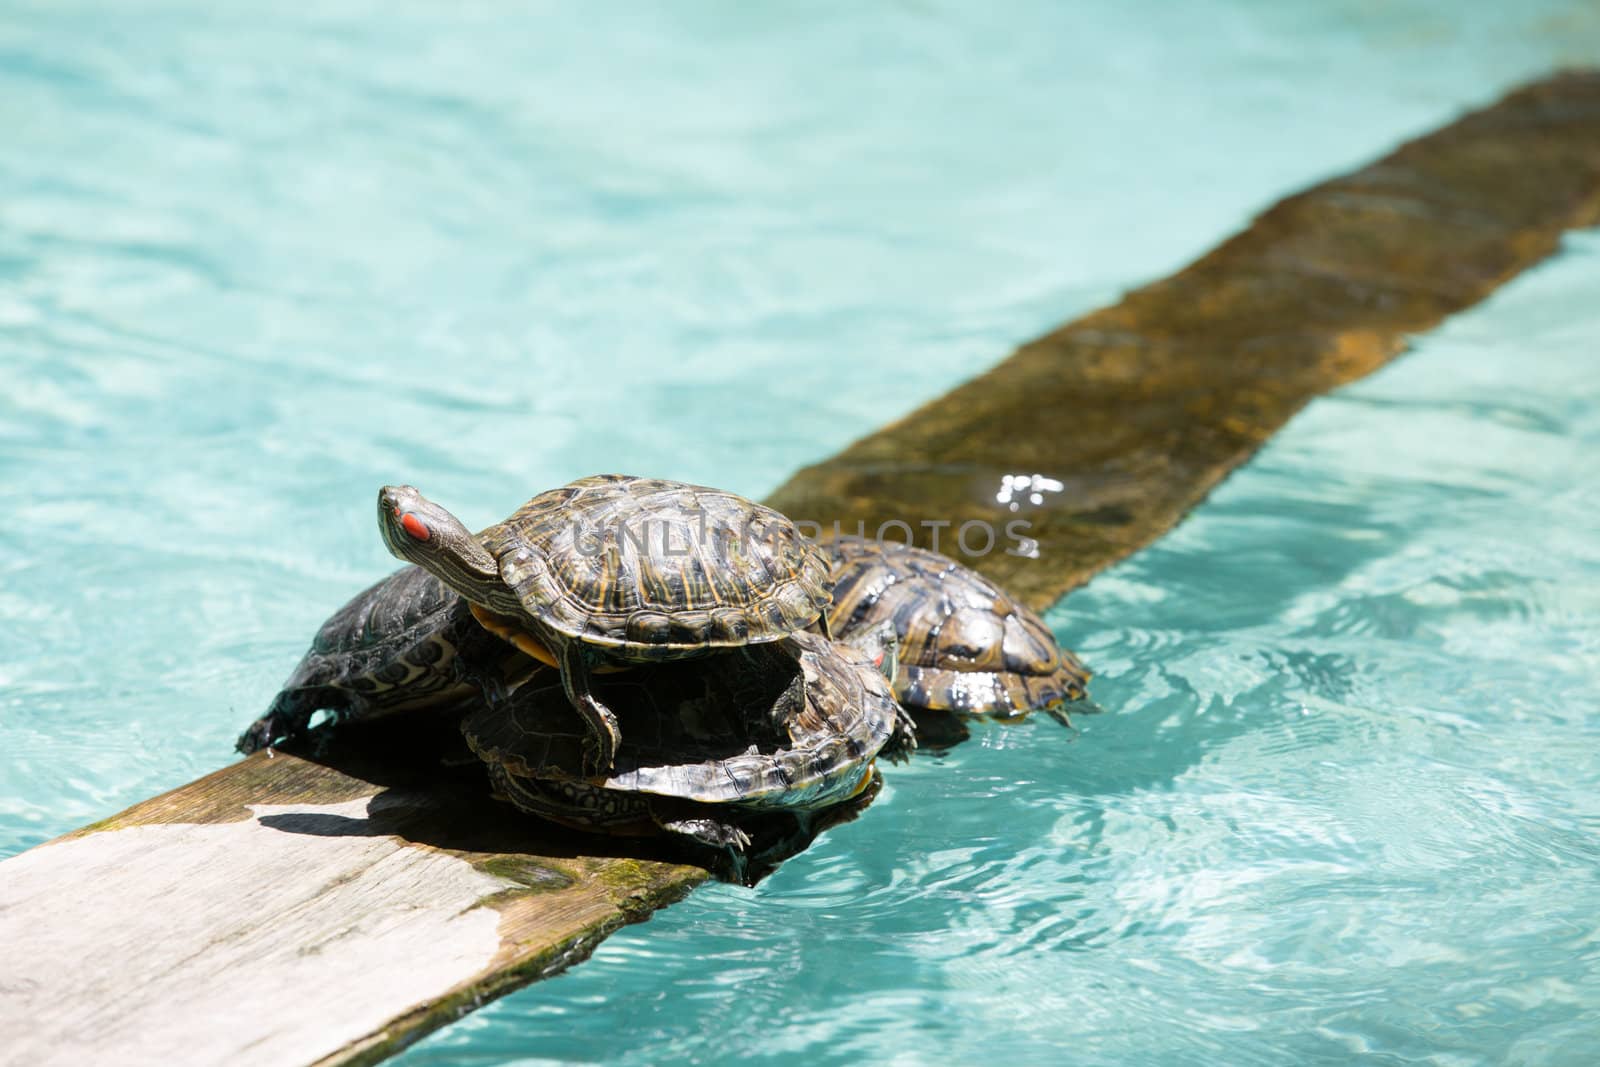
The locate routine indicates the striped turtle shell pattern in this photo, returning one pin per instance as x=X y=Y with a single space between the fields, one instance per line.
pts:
x=965 y=644
x=653 y=569
x=794 y=725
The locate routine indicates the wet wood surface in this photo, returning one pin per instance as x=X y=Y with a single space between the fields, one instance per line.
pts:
x=288 y=911
x=1121 y=421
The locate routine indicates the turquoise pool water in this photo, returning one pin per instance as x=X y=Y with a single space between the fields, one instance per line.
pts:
x=253 y=265
x=1345 y=799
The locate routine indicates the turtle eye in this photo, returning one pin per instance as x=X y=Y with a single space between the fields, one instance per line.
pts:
x=415 y=526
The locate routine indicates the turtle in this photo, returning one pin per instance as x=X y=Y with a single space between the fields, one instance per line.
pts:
x=792 y=725
x=406 y=643
x=613 y=571
x=965 y=645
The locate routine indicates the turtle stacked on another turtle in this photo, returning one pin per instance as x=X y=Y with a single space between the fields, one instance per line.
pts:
x=613 y=571
x=793 y=725
x=711 y=616
x=687 y=693
x=965 y=645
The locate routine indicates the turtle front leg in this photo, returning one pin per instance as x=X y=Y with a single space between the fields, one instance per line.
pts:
x=824 y=624
x=487 y=680
x=600 y=747
x=716 y=833
x=287 y=719
x=722 y=836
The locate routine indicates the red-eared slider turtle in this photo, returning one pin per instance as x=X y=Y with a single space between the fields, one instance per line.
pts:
x=965 y=645
x=789 y=725
x=408 y=643
x=613 y=570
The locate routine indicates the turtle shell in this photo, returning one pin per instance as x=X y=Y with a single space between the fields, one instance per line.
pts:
x=652 y=569
x=795 y=724
x=965 y=644
x=406 y=643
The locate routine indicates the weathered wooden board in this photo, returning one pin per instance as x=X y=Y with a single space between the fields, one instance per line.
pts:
x=283 y=911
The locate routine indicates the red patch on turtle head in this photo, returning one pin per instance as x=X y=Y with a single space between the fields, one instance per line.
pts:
x=415 y=526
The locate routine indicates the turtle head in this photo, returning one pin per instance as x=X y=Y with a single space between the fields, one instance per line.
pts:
x=881 y=645
x=419 y=531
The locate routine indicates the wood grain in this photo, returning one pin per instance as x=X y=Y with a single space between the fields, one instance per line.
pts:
x=289 y=910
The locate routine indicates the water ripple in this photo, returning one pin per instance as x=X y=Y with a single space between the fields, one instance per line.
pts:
x=1342 y=800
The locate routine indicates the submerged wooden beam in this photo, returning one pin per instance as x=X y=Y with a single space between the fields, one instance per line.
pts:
x=1131 y=414
x=285 y=911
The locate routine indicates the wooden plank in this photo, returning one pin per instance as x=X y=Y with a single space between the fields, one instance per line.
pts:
x=288 y=911
x=284 y=911
x=1137 y=410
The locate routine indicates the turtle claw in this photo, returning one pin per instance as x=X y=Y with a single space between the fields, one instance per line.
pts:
x=257 y=736
x=1058 y=712
x=600 y=747
x=275 y=725
x=490 y=684
x=903 y=740
x=717 y=834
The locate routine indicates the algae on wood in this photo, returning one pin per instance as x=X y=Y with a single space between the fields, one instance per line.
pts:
x=1139 y=409
x=283 y=911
